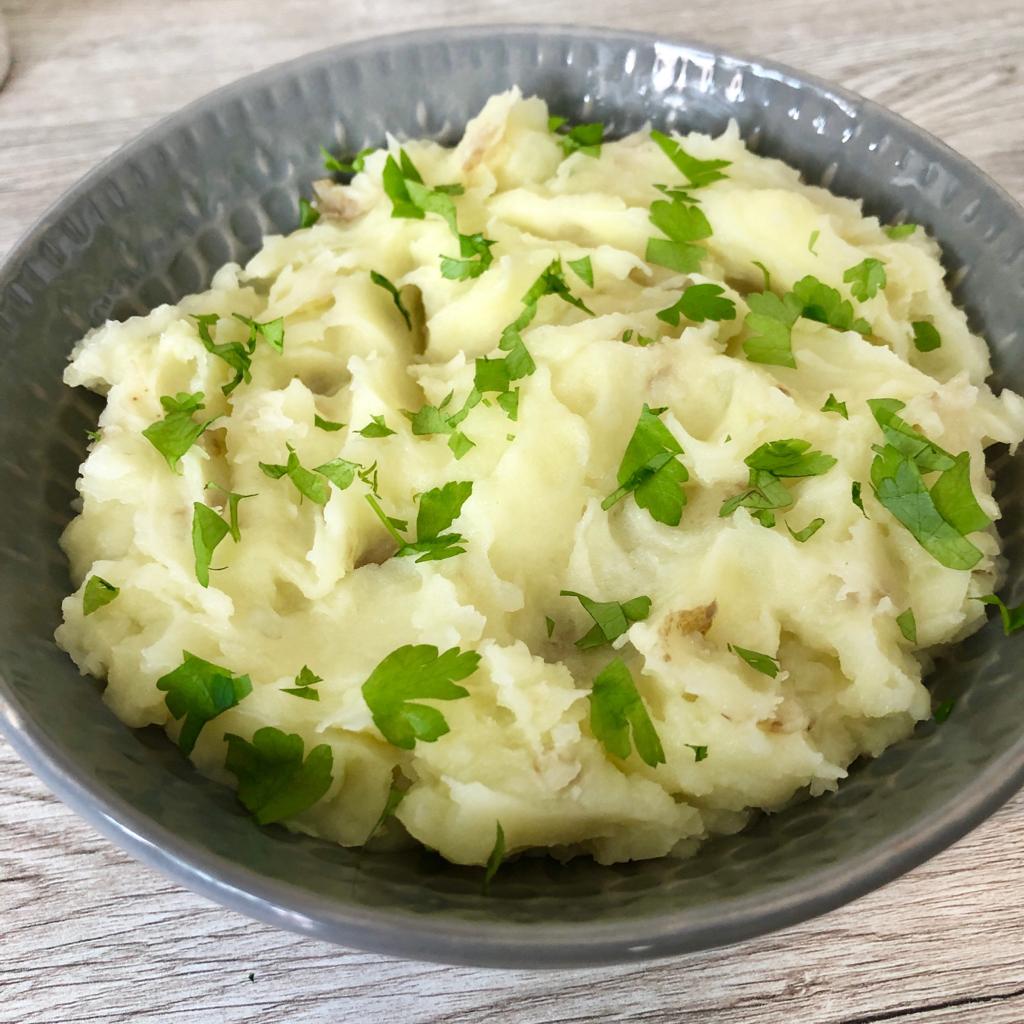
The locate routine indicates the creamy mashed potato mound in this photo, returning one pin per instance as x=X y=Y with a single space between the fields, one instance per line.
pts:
x=318 y=585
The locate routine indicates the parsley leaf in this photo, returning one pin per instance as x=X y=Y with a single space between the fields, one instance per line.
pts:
x=684 y=224
x=897 y=231
x=581 y=138
x=1013 y=618
x=700 y=751
x=353 y=166
x=495 y=858
x=812 y=242
x=698 y=303
x=177 y=431
x=208 y=530
x=234 y=353
x=926 y=337
x=698 y=173
x=304 y=683
x=310 y=482
x=234 y=500
x=438 y=509
x=308 y=213
x=549 y=625
x=768 y=464
x=765 y=273
x=394 y=180
x=611 y=619
x=908 y=625
x=272 y=332
x=395 y=797
x=905 y=439
x=763 y=663
x=650 y=470
x=550 y=282
x=770 y=321
x=583 y=269
x=329 y=425
x=900 y=489
x=616 y=710
x=433 y=419
x=865 y=279
x=410 y=673
x=376 y=427
x=807 y=532
x=435 y=200
x=383 y=282
x=823 y=304
x=855 y=489
x=199 y=691
x=476 y=257
x=275 y=781
x=944 y=709
x=832 y=404
x=98 y=592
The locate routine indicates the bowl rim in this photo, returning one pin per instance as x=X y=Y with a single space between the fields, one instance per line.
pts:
x=497 y=943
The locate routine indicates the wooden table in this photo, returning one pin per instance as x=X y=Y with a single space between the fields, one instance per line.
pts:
x=89 y=935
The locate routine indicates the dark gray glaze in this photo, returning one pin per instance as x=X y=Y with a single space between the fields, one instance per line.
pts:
x=154 y=221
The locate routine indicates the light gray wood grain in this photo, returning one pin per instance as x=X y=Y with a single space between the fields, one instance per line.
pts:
x=86 y=934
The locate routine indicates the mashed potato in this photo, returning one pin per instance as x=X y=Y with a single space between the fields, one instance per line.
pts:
x=771 y=653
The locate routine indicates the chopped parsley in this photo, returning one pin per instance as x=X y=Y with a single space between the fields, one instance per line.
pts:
x=208 y=530
x=310 y=483
x=275 y=780
x=812 y=242
x=855 y=497
x=394 y=798
x=438 y=509
x=272 y=332
x=651 y=471
x=381 y=281
x=926 y=337
x=629 y=334
x=765 y=273
x=700 y=751
x=353 y=166
x=1013 y=618
x=440 y=419
x=908 y=625
x=698 y=173
x=233 y=502
x=376 y=427
x=98 y=592
x=804 y=535
x=551 y=282
x=475 y=257
x=495 y=858
x=199 y=691
x=237 y=356
x=305 y=682
x=177 y=431
x=769 y=465
x=763 y=663
x=685 y=225
x=771 y=319
x=583 y=269
x=944 y=709
x=865 y=279
x=549 y=625
x=832 y=404
x=611 y=618
x=411 y=673
x=898 y=231
x=410 y=198
x=94 y=435
x=698 y=303
x=617 y=710
x=329 y=425
x=581 y=138
x=308 y=213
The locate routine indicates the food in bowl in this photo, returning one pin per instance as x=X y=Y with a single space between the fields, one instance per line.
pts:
x=540 y=493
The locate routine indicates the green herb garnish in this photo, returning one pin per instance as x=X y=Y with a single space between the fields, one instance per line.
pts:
x=381 y=281
x=98 y=592
x=376 y=427
x=440 y=419
x=199 y=691
x=832 y=404
x=865 y=279
x=698 y=303
x=617 y=710
x=475 y=257
x=684 y=225
x=698 y=173
x=275 y=780
x=897 y=231
x=177 y=431
x=583 y=269
x=495 y=858
x=812 y=242
x=651 y=471
x=234 y=353
x=308 y=213
x=305 y=682
x=581 y=138
x=926 y=337
x=438 y=509
x=763 y=663
x=908 y=625
x=611 y=618
x=1013 y=618
x=804 y=535
x=329 y=425
x=353 y=166
x=412 y=673
x=310 y=483
x=944 y=709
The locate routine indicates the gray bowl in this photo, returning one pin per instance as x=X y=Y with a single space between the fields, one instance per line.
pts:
x=154 y=221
